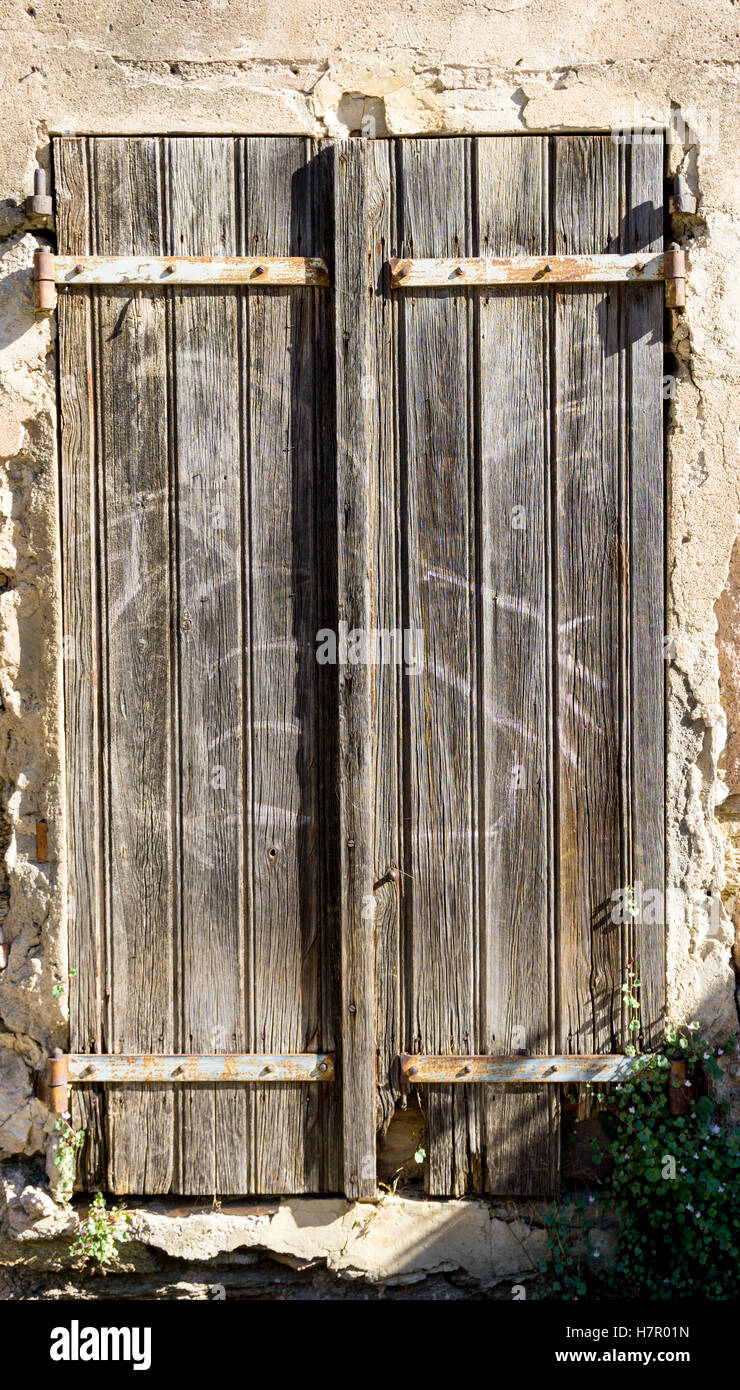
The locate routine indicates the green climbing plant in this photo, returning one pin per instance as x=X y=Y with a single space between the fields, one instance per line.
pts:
x=631 y=997
x=104 y=1228
x=69 y=1141
x=671 y=1179
x=675 y=1178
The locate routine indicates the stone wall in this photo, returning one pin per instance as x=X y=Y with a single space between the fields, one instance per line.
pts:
x=434 y=66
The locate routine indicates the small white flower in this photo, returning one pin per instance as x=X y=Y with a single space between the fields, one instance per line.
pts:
x=720 y=1052
x=687 y=1083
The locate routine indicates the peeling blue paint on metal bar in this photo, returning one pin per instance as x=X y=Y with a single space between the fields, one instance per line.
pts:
x=422 y=1068
x=190 y=1067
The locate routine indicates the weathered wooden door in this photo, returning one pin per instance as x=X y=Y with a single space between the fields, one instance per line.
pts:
x=272 y=855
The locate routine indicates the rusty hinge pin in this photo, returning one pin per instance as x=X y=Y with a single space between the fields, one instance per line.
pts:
x=57 y=1082
x=44 y=277
x=42 y=842
x=675 y=277
x=679 y=1092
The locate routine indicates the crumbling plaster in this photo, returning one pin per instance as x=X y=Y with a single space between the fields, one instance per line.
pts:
x=399 y=1241
x=436 y=66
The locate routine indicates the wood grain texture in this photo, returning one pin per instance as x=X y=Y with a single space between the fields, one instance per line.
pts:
x=517 y=942
x=283 y=566
x=80 y=653
x=591 y=568
x=356 y=520
x=136 y=604
x=441 y=713
x=210 y=569
x=379 y=382
x=209 y=929
x=644 y=326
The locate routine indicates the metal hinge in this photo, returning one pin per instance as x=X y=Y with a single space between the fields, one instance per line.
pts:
x=482 y=271
x=39 y=203
x=172 y=272
x=75 y=1068
x=675 y=277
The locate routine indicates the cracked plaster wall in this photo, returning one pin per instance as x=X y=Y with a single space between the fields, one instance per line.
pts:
x=402 y=69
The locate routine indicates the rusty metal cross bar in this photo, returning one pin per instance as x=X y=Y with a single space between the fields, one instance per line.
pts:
x=63 y=1070
x=162 y=272
x=492 y=271
x=424 y=1068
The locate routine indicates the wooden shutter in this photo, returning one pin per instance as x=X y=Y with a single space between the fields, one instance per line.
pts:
x=526 y=503
x=196 y=489
x=270 y=856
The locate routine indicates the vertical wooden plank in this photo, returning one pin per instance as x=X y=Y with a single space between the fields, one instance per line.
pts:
x=644 y=232
x=517 y=947
x=211 y=585
x=137 y=682
x=591 y=568
x=80 y=651
x=356 y=368
x=285 y=940
x=392 y=656
x=441 y=713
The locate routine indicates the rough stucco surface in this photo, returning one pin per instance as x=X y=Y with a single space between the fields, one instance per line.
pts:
x=328 y=69
x=400 y=1241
